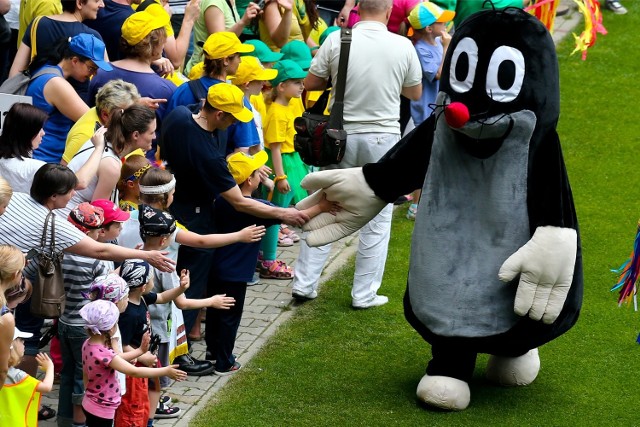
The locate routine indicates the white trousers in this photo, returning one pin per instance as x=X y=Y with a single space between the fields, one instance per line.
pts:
x=374 y=236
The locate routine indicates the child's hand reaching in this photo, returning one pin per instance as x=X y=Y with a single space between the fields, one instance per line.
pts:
x=221 y=302
x=144 y=344
x=148 y=359
x=252 y=233
x=185 y=280
x=327 y=206
x=44 y=361
x=176 y=374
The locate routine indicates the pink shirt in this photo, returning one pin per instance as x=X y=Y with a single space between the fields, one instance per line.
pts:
x=102 y=393
x=400 y=11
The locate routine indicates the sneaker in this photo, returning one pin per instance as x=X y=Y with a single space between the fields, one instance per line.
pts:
x=255 y=280
x=192 y=366
x=615 y=6
x=302 y=297
x=378 y=300
x=165 y=399
x=411 y=213
x=163 y=411
x=232 y=370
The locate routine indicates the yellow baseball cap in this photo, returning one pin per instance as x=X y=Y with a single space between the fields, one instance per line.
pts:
x=242 y=165
x=140 y=24
x=228 y=98
x=196 y=71
x=224 y=43
x=251 y=69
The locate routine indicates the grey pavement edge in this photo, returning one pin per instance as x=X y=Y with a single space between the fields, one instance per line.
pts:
x=268 y=305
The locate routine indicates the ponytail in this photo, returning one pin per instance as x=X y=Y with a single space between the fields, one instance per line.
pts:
x=124 y=122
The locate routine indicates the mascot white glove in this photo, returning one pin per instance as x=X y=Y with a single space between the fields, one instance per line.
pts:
x=545 y=264
x=348 y=188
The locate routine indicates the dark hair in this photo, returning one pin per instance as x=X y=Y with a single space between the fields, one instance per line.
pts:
x=124 y=122
x=60 y=51
x=52 y=179
x=144 y=48
x=213 y=67
x=312 y=13
x=22 y=123
x=70 y=5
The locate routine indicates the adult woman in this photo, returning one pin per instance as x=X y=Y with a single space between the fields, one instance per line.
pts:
x=130 y=129
x=21 y=134
x=77 y=58
x=22 y=225
x=51 y=29
x=216 y=16
x=286 y=20
x=143 y=37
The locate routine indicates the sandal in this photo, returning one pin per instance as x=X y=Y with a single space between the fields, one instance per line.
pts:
x=46 y=413
x=289 y=233
x=276 y=270
x=284 y=241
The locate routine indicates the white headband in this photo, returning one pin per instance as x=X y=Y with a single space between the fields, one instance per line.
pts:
x=158 y=189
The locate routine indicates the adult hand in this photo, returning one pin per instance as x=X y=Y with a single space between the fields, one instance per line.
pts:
x=159 y=260
x=545 y=265
x=292 y=216
x=192 y=10
x=164 y=66
x=250 y=13
x=343 y=16
x=350 y=190
x=152 y=102
x=285 y=4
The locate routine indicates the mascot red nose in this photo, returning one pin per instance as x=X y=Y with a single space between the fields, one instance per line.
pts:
x=496 y=263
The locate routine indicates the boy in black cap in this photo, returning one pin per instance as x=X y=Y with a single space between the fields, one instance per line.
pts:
x=156 y=230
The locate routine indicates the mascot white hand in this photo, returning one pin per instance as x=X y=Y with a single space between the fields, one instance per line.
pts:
x=545 y=265
x=348 y=188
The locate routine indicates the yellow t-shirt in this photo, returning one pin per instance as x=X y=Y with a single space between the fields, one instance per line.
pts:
x=297 y=106
x=80 y=133
x=30 y=9
x=278 y=127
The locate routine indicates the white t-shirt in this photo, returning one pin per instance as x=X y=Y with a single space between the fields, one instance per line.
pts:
x=86 y=194
x=23 y=222
x=19 y=173
x=380 y=65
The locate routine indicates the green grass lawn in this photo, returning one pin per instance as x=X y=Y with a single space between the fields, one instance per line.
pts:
x=332 y=365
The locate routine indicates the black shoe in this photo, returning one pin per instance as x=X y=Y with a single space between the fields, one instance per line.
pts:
x=194 y=367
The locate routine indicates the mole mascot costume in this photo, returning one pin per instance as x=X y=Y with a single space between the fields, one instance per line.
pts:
x=496 y=264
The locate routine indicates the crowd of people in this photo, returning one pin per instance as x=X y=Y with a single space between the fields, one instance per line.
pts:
x=161 y=136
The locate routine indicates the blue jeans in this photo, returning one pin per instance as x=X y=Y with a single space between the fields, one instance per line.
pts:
x=71 y=385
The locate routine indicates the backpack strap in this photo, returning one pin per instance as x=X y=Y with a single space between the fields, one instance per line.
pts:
x=197 y=89
x=145 y=4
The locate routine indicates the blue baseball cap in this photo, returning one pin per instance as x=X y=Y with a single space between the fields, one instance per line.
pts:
x=90 y=47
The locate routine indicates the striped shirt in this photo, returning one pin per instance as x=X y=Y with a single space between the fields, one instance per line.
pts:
x=78 y=272
x=177 y=6
x=23 y=222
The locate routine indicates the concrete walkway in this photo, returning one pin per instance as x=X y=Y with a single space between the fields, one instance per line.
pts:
x=269 y=304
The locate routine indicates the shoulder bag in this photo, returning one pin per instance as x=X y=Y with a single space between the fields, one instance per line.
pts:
x=48 y=295
x=321 y=140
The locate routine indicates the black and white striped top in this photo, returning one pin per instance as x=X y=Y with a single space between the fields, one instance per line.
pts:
x=23 y=222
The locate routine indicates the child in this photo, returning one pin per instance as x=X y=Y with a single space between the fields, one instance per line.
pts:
x=102 y=395
x=234 y=264
x=285 y=162
x=249 y=78
x=114 y=218
x=157 y=187
x=133 y=168
x=79 y=273
x=20 y=396
x=431 y=42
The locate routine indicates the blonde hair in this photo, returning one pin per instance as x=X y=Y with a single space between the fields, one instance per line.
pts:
x=5 y=191
x=14 y=357
x=11 y=261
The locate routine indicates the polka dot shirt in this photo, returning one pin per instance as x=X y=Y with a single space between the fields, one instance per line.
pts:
x=102 y=392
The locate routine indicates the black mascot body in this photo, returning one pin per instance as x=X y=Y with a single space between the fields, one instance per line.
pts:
x=496 y=263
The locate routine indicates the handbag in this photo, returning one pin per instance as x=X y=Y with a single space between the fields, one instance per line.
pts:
x=48 y=297
x=321 y=140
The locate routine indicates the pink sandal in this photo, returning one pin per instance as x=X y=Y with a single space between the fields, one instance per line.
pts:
x=276 y=270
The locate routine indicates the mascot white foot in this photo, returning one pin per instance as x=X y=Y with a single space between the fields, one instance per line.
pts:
x=444 y=392
x=514 y=371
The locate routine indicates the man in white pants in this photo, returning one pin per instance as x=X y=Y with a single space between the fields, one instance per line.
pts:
x=382 y=66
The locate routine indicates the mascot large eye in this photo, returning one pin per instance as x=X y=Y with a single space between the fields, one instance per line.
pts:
x=463 y=65
x=505 y=74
